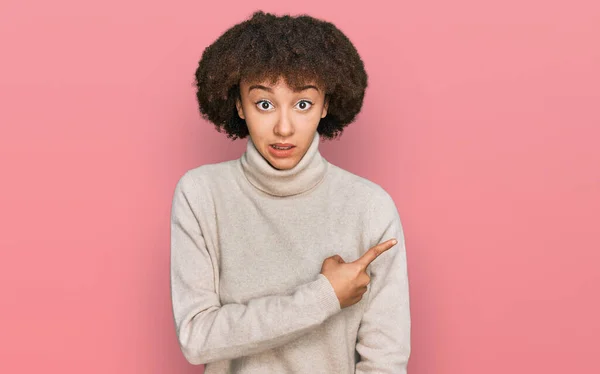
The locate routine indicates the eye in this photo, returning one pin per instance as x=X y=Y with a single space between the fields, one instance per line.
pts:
x=302 y=104
x=264 y=105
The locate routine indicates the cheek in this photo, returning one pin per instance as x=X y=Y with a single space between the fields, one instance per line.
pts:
x=260 y=122
x=315 y=115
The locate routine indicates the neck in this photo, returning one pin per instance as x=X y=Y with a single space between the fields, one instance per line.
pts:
x=306 y=174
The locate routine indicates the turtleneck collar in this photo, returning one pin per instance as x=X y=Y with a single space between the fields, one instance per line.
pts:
x=307 y=173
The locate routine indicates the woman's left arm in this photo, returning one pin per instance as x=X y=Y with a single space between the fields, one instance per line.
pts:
x=383 y=341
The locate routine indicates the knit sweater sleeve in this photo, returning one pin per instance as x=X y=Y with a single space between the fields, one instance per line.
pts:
x=383 y=341
x=208 y=331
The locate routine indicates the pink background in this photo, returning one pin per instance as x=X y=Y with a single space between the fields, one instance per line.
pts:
x=481 y=120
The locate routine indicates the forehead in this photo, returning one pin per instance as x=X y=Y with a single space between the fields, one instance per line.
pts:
x=271 y=85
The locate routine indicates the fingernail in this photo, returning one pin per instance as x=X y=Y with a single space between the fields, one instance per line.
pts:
x=394 y=242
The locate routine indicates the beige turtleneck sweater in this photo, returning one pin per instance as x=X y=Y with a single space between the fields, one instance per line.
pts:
x=247 y=245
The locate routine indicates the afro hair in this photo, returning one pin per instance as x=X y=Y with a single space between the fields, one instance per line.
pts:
x=267 y=47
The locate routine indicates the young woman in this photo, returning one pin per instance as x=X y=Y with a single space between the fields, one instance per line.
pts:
x=282 y=262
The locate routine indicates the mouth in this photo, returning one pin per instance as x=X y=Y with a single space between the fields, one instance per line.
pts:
x=280 y=151
x=282 y=147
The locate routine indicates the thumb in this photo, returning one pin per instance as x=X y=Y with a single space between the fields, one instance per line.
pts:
x=338 y=258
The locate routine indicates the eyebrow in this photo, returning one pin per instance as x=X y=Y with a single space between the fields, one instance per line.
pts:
x=259 y=86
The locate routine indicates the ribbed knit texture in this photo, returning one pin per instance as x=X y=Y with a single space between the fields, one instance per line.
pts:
x=247 y=245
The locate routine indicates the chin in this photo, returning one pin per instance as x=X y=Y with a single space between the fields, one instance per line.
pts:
x=283 y=164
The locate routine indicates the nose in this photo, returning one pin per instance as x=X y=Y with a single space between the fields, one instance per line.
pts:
x=284 y=127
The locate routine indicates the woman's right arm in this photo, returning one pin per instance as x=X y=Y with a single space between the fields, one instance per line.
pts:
x=208 y=331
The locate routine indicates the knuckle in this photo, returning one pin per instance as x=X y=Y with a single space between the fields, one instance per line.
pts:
x=365 y=281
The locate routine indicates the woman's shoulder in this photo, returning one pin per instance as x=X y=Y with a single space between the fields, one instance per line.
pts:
x=351 y=183
x=378 y=203
x=201 y=176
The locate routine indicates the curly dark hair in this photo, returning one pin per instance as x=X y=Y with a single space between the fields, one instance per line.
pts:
x=266 y=47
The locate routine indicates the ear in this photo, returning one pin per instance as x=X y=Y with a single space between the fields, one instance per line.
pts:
x=239 y=107
x=325 y=107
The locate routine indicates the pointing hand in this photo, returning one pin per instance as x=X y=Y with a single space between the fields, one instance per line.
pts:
x=350 y=280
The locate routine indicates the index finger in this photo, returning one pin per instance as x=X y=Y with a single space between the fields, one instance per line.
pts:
x=375 y=251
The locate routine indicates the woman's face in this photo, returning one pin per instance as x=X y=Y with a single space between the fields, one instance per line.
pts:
x=276 y=114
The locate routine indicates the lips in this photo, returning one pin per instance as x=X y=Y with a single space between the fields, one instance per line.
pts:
x=283 y=145
x=281 y=152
